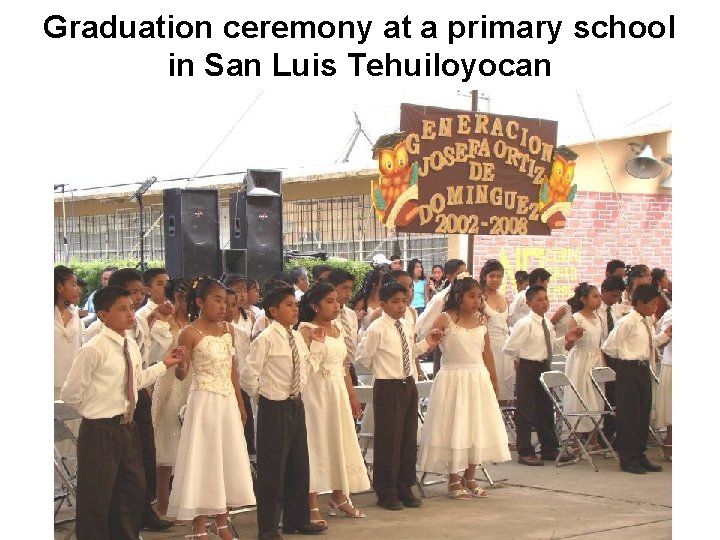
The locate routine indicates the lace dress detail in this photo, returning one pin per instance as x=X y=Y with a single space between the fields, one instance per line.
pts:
x=211 y=363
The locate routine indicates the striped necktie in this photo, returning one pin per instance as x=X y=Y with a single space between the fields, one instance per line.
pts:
x=296 y=365
x=140 y=340
x=548 y=343
x=349 y=342
x=130 y=385
x=405 y=349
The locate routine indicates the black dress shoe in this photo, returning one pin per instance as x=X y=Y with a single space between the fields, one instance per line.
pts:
x=306 y=528
x=634 y=468
x=411 y=502
x=270 y=535
x=649 y=467
x=533 y=461
x=392 y=504
x=152 y=522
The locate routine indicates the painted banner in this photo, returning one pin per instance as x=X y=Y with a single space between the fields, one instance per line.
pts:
x=458 y=172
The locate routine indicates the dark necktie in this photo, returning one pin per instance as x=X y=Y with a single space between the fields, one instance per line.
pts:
x=610 y=322
x=130 y=385
x=405 y=349
x=548 y=343
x=650 y=339
x=296 y=364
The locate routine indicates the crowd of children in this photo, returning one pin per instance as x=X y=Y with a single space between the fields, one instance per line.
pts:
x=180 y=383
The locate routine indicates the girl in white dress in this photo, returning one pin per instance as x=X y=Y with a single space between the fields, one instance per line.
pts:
x=367 y=301
x=68 y=326
x=584 y=355
x=463 y=426
x=170 y=394
x=213 y=469
x=331 y=407
x=663 y=417
x=496 y=311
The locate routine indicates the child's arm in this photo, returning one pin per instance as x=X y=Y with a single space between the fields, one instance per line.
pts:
x=236 y=380
x=619 y=334
x=188 y=340
x=518 y=335
x=250 y=374
x=559 y=314
x=489 y=360
x=572 y=325
x=314 y=339
x=80 y=375
x=367 y=347
x=161 y=339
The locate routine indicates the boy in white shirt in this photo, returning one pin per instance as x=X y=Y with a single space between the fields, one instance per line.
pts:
x=633 y=343
x=155 y=280
x=530 y=345
x=519 y=306
x=275 y=374
x=388 y=350
x=103 y=386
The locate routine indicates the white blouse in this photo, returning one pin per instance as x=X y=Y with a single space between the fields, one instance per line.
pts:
x=68 y=340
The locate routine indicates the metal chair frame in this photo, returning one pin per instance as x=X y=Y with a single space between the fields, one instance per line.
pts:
x=554 y=382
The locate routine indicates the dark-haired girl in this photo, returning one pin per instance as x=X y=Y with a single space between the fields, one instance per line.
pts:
x=213 y=469
x=420 y=285
x=496 y=311
x=436 y=280
x=585 y=354
x=367 y=301
x=336 y=463
x=170 y=393
x=68 y=327
x=661 y=282
x=463 y=426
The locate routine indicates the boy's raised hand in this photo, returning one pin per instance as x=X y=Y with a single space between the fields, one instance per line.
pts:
x=434 y=337
x=318 y=334
x=574 y=334
x=175 y=357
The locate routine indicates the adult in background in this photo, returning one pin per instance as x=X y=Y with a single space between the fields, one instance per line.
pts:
x=90 y=305
x=396 y=262
x=421 y=287
x=299 y=280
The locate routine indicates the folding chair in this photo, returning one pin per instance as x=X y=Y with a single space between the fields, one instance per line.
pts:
x=558 y=362
x=65 y=462
x=366 y=425
x=555 y=384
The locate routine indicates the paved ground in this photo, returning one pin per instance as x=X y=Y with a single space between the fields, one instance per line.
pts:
x=528 y=503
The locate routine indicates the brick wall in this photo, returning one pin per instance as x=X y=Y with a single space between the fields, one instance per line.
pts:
x=594 y=234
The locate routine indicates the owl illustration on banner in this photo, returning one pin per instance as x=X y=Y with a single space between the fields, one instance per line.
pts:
x=558 y=191
x=394 y=193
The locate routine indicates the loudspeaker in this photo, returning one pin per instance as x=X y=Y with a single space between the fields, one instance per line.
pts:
x=644 y=165
x=256 y=223
x=234 y=261
x=260 y=181
x=192 y=232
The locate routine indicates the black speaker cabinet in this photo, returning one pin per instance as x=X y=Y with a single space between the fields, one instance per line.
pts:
x=234 y=261
x=192 y=232
x=256 y=227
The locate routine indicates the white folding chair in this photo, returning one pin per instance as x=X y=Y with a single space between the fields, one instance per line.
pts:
x=366 y=428
x=558 y=362
x=555 y=384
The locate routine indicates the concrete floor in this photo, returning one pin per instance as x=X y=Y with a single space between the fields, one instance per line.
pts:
x=527 y=503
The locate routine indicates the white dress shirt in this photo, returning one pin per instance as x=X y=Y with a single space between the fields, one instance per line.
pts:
x=350 y=317
x=664 y=322
x=241 y=332
x=98 y=326
x=432 y=311
x=146 y=310
x=518 y=308
x=380 y=348
x=527 y=339
x=629 y=339
x=298 y=293
x=68 y=340
x=161 y=340
x=97 y=380
x=268 y=370
x=615 y=313
x=261 y=323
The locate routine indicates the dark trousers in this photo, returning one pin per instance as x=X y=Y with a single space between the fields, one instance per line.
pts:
x=353 y=375
x=634 y=400
x=143 y=419
x=609 y=423
x=250 y=424
x=533 y=408
x=110 y=480
x=283 y=469
x=395 y=404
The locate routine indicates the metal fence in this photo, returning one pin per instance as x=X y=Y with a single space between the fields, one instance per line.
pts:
x=345 y=227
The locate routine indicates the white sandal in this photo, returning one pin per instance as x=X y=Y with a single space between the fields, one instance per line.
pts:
x=334 y=508
x=477 y=491
x=461 y=494
x=218 y=527
x=198 y=535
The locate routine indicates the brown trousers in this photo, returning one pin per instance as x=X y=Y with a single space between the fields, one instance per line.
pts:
x=395 y=404
x=110 y=480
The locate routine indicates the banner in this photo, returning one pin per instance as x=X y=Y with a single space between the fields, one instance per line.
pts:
x=458 y=172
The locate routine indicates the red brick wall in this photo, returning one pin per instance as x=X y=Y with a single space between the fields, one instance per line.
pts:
x=594 y=234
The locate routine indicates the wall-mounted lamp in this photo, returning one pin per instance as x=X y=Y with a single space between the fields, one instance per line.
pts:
x=644 y=164
x=667 y=183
